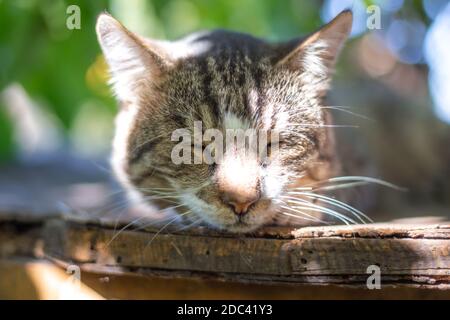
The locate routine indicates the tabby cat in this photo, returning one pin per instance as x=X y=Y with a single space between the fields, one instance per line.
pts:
x=228 y=80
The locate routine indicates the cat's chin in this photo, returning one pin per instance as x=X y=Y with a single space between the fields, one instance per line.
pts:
x=248 y=223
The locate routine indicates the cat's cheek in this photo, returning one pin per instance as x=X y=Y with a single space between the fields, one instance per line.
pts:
x=200 y=208
x=124 y=123
x=273 y=181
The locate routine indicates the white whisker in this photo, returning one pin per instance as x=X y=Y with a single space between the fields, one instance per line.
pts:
x=342 y=205
x=304 y=216
x=341 y=186
x=366 y=179
x=123 y=229
x=165 y=226
x=312 y=206
x=313 y=125
x=347 y=111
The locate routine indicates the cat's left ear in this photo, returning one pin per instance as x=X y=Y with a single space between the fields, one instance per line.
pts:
x=317 y=54
x=133 y=61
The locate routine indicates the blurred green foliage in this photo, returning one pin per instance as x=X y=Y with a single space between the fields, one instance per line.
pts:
x=6 y=137
x=62 y=69
x=50 y=61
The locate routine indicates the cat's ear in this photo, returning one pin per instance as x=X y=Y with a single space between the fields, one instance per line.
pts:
x=317 y=54
x=133 y=62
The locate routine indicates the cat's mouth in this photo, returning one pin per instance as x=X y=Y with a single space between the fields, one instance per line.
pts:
x=214 y=213
x=251 y=221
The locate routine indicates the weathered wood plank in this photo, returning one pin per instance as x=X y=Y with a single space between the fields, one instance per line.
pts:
x=31 y=279
x=408 y=255
x=378 y=230
x=177 y=252
x=353 y=256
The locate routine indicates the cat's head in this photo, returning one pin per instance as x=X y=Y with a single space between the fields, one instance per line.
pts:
x=223 y=81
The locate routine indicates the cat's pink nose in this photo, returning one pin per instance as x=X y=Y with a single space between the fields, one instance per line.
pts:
x=238 y=183
x=240 y=204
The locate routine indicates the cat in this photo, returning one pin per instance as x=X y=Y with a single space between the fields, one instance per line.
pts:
x=229 y=80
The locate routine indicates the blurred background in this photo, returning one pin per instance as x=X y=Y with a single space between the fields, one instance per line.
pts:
x=56 y=110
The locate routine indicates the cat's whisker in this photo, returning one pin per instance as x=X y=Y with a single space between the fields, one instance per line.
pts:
x=204 y=185
x=304 y=214
x=314 y=125
x=342 y=107
x=173 y=207
x=132 y=222
x=146 y=142
x=156 y=192
x=165 y=226
x=342 y=218
x=349 y=181
x=120 y=204
x=158 y=197
x=102 y=167
x=339 y=204
x=160 y=194
x=114 y=193
x=347 y=111
x=341 y=186
x=291 y=215
x=190 y=225
x=110 y=207
x=315 y=207
x=156 y=222
x=164 y=171
x=304 y=202
x=123 y=229
x=164 y=199
x=365 y=179
x=168 y=190
x=139 y=228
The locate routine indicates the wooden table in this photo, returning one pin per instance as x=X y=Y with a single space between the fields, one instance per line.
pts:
x=312 y=262
x=41 y=238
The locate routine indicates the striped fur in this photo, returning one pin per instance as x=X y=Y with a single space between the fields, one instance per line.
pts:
x=224 y=79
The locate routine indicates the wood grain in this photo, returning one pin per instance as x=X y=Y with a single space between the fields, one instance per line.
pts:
x=408 y=254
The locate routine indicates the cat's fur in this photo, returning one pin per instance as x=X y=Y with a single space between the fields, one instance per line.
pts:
x=226 y=80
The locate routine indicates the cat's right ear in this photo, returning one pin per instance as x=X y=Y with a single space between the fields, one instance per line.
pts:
x=316 y=55
x=132 y=61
